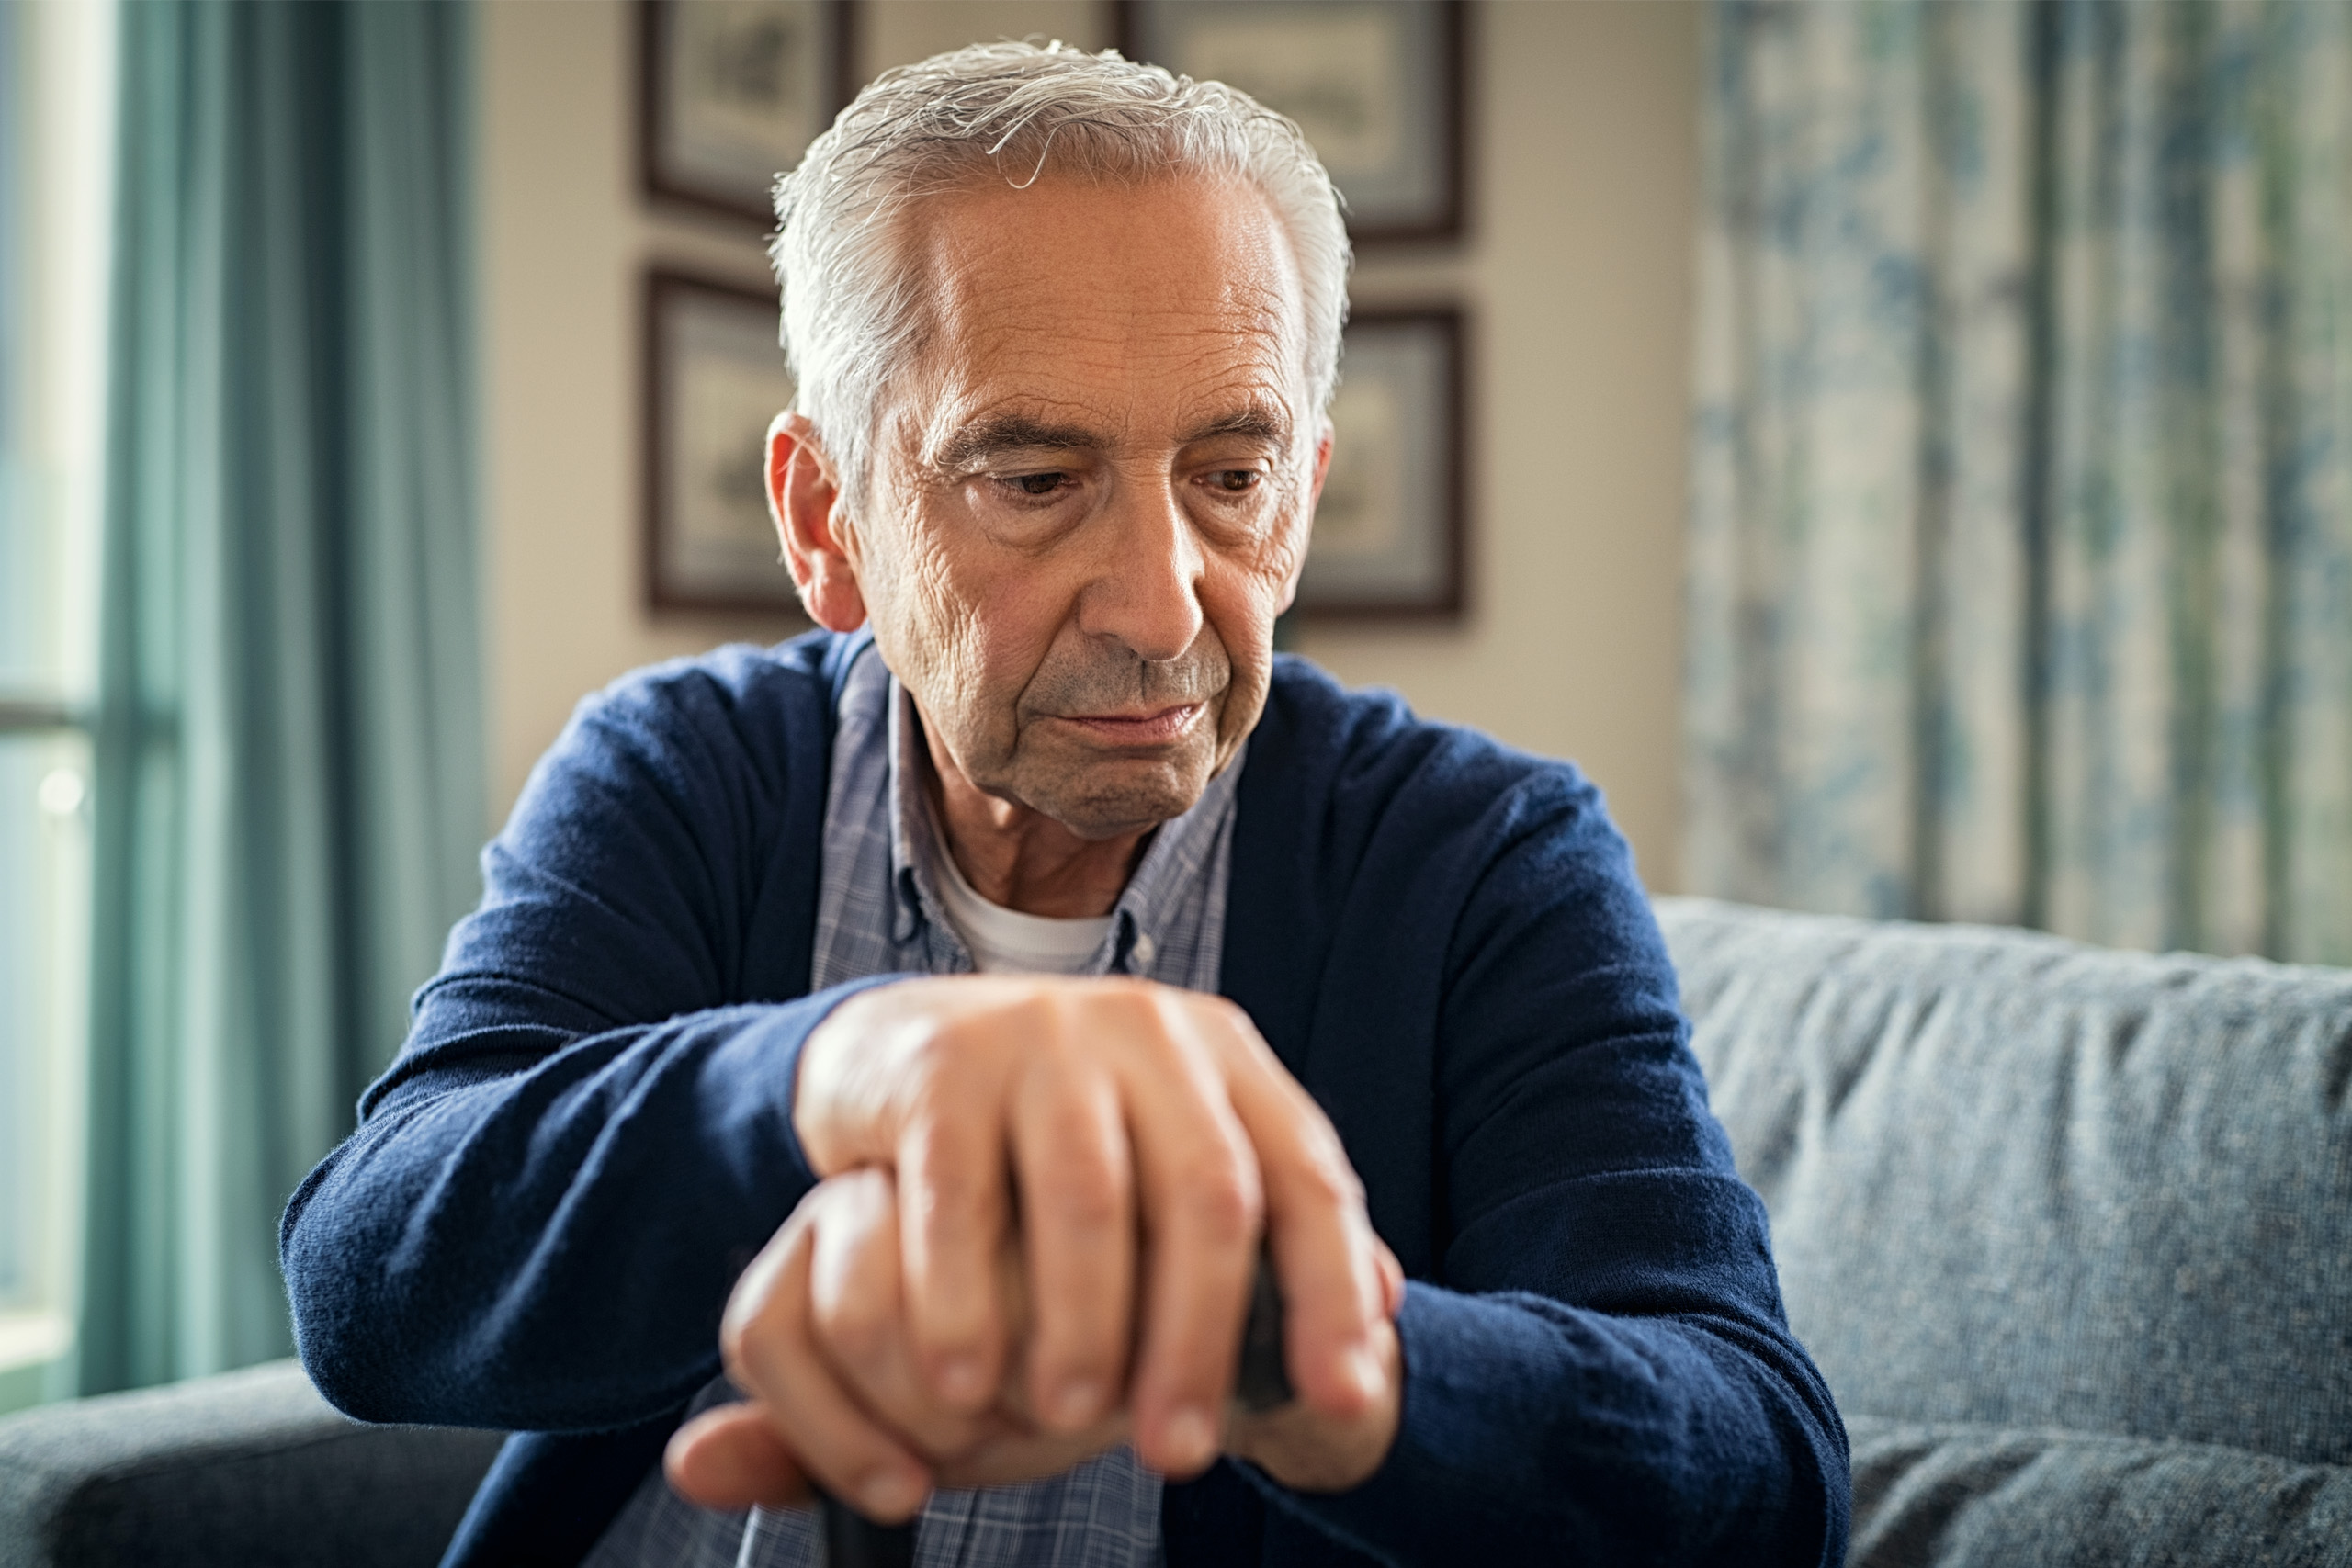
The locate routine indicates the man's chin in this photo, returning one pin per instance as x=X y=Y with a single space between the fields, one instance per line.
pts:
x=1109 y=797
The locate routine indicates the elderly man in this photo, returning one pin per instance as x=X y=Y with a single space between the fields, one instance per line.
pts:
x=709 y=1079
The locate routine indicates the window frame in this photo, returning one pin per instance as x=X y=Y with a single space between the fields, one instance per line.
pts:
x=60 y=61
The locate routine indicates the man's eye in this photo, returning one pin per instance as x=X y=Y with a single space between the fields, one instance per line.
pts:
x=1237 y=479
x=1040 y=484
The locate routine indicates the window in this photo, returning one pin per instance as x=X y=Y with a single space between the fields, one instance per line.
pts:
x=55 y=119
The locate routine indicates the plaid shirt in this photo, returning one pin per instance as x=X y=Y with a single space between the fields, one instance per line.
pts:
x=878 y=913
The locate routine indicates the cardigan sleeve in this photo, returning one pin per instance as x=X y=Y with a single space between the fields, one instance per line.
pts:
x=1601 y=1371
x=588 y=1133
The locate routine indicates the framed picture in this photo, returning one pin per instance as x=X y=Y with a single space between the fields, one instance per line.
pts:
x=715 y=377
x=1376 y=85
x=1389 y=532
x=732 y=92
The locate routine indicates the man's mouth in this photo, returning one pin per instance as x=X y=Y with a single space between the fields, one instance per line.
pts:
x=1138 y=729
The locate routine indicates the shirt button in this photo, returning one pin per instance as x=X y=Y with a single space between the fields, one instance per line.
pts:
x=1146 y=950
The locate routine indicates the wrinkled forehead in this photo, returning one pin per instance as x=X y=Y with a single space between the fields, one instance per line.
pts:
x=1164 y=301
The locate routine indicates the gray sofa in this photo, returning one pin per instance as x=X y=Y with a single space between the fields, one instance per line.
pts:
x=2070 y=1232
x=250 y=1469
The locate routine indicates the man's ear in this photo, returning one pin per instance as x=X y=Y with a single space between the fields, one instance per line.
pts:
x=1322 y=467
x=804 y=499
x=1313 y=494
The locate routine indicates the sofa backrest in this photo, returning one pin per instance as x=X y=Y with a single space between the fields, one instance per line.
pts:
x=2018 y=1180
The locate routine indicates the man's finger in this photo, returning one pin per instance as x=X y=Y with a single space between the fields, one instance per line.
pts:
x=953 y=1215
x=770 y=1356
x=1203 y=1210
x=731 y=1458
x=857 y=1314
x=1077 y=1221
x=1327 y=1258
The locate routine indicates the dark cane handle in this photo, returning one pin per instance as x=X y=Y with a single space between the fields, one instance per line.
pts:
x=1261 y=1382
x=853 y=1540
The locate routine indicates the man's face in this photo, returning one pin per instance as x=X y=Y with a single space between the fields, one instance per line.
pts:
x=1090 y=494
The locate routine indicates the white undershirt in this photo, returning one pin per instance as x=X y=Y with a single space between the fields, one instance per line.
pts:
x=1006 y=941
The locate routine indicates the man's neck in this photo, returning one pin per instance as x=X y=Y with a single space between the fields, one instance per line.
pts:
x=1022 y=858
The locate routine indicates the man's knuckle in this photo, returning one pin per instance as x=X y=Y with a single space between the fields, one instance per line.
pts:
x=1325 y=1186
x=1081 y=1191
x=858 y=1336
x=1039 y=1016
x=1330 y=1177
x=1060 y=1056
x=949 y=1198
x=942 y=1094
x=1073 y=1124
x=948 y=1151
x=1223 y=1203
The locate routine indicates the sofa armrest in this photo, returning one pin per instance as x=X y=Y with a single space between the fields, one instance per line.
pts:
x=250 y=1467
x=1958 y=1496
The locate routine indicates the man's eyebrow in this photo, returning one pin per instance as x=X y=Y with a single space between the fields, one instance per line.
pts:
x=1008 y=433
x=1257 y=421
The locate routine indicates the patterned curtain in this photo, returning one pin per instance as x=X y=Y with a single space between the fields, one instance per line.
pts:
x=2022 y=517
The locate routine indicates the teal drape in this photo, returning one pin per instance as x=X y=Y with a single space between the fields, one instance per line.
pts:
x=2022 y=517
x=288 y=765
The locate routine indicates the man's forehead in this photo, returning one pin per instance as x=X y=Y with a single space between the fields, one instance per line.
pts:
x=1056 y=294
x=1034 y=313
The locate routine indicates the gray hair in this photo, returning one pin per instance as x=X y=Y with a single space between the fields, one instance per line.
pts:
x=850 y=307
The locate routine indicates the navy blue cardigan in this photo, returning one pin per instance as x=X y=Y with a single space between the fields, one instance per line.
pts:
x=589 y=1134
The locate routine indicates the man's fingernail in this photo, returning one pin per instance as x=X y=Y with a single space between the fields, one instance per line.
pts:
x=1366 y=1371
x=959 y=1378
x=1189 y=1436
x=892 y=1491
x=1077 y=1400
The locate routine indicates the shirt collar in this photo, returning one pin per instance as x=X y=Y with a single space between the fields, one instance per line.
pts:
x=1177 y=859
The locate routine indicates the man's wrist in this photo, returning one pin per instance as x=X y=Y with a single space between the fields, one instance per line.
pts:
x=839 y=1026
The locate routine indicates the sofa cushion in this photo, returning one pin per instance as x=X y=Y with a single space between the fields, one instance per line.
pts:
x=1964 y=1497
x=2018 y=1181
x=249 y=1468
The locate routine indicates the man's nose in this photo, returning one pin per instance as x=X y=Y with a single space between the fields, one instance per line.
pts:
x=1147 y=590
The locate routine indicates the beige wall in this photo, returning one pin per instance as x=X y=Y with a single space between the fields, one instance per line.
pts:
x=1578 y=272
x=1585 y=155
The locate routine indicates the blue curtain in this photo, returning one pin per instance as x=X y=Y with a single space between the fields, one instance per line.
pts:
x=2022 y=517
x=288 y=765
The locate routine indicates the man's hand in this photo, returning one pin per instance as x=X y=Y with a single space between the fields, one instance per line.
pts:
x=1112 y=1116
x=1102 y=1113
x=815 y=1333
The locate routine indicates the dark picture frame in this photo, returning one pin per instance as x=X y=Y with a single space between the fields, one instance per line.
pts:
x=1378 y=86
x=732 y=92
x=714 y=379
x=1391 y=540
